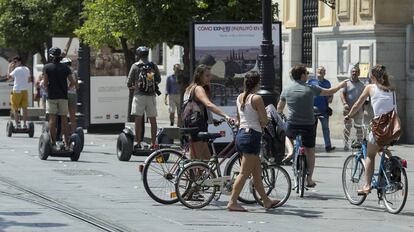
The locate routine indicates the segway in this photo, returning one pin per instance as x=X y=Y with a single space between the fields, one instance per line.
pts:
x=46 y=149
x=12 y=128
x=78 y=131
x=125 y=144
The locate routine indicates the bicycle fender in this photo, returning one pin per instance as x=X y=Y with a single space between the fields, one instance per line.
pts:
x=231 y=157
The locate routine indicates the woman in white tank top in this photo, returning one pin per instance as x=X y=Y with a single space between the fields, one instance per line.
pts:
x=383 y=101
x=252 y=118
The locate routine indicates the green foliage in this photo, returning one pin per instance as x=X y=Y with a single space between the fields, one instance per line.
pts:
x=107 y=21
x=26 y=25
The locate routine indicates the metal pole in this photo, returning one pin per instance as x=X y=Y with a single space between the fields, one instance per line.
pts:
x=83 y=115
x=266 y=58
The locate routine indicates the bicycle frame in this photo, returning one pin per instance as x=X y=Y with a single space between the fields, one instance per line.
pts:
x=361 y=155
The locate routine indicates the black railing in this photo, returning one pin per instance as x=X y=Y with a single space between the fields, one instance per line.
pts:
x=310 y=20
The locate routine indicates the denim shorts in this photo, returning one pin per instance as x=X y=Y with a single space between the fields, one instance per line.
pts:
x=248 y=141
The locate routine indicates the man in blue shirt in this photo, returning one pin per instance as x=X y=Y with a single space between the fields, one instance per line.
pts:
x=322 y=102
x=172 y=92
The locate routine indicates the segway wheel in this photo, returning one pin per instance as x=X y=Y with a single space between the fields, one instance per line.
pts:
x=79 y=132
x=9 y=129
x=44 y=146
x=75 y=145
x=124 y=147
x=31 y=129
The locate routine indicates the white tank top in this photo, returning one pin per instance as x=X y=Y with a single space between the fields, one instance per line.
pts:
x=382 y=102
x=249 y=118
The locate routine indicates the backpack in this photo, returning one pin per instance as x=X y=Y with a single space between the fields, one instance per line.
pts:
x=146 y=78
x=273 y=137
x=192 y=114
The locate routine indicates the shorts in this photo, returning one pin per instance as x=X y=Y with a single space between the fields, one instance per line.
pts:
x=72 y=99
x=19 y=99
x=248 y=141
x=144 y=103
x=57 y=106
x=308 y=133
x=173 y=102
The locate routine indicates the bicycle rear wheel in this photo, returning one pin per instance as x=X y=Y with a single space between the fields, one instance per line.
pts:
x=233 y=169
x=193 y=186
x=395 y=193
x=352 y=174
x=277 y=184
x=301 y=174
x=160 y=171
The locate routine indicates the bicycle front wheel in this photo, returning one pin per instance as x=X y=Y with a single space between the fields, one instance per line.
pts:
x=194 y=187
x=160 y=171
x=395 y=193
x=277 y=184
x=233 y=169
x=352 y=174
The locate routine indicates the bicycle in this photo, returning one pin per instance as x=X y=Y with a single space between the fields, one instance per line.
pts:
x=299 y=164
x=199 y=181
x=161 y=168
x=390 y=179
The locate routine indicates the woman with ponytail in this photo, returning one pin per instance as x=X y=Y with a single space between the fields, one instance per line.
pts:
x=383 y=100
x=251 y=115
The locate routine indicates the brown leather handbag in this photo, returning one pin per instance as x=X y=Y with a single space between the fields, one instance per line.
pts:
x=387 y=127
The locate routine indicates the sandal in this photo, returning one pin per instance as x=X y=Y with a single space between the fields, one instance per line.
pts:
x=273 y=205
x=237 y=209
x=364 y=191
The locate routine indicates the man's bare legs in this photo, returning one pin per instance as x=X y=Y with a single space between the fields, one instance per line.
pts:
x=310 y=160
x=153 y=122
x=52 y=128
x=138 y=129
x=25 y=116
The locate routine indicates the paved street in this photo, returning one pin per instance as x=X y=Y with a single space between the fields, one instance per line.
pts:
x=100 y=185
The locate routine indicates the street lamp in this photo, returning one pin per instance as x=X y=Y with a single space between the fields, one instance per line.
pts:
x=266 y=58
x=83 y=115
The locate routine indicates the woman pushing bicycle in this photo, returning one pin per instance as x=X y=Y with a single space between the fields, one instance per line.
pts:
x=252 y=117
x=198 y=92
x=383 y=101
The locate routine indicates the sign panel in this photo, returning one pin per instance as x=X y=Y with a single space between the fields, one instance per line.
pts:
x=109 y=95
x=232 y=50
x=5 y=90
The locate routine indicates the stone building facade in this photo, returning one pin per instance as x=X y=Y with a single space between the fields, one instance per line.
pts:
x=364 y=31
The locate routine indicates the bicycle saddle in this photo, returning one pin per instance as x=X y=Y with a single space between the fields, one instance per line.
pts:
x=189 y=131
x=206 y=135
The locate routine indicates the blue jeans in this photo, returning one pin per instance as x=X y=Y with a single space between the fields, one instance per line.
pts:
x=325 y=129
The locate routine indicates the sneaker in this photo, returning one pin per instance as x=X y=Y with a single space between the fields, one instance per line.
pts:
x=346 y=148
x=329 y=149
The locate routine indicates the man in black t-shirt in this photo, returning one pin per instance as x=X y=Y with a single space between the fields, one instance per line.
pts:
x=56 y=76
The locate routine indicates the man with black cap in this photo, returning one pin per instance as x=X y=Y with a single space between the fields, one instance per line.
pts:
x=144 y=78
x=56 y=76
x=349 y=95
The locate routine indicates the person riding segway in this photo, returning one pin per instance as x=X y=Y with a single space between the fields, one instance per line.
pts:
x=56 y=76
x=20 y=75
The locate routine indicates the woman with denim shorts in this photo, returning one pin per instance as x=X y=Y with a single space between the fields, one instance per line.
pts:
x=252 y=118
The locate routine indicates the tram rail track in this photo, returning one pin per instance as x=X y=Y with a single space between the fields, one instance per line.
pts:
x=29 y=195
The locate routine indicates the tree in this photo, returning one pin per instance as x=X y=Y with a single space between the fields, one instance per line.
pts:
x=111 y=23
x=27 y=25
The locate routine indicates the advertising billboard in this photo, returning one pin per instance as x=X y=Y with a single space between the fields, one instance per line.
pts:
x=108 y=89
x=231 y=50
